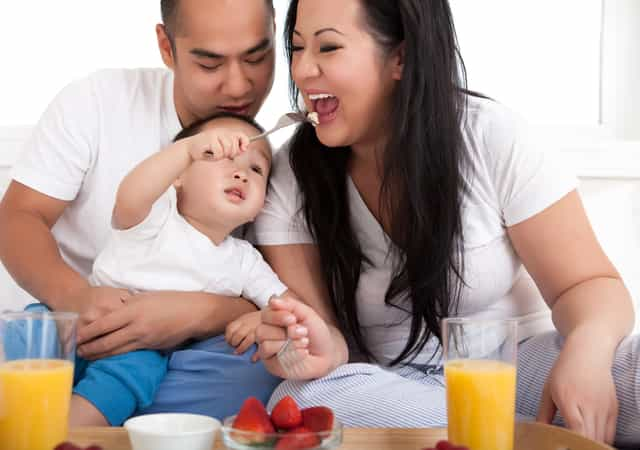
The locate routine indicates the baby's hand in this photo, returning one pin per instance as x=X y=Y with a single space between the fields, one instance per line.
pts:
x=241 y=333
x=217 y=144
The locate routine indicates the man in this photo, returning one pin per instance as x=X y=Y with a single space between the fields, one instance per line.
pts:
x=221 y=58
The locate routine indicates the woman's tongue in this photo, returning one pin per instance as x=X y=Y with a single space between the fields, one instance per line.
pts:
x=327 y=106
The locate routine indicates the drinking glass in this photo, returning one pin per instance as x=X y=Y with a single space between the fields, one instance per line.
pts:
x=37 y=351
x=480 y=373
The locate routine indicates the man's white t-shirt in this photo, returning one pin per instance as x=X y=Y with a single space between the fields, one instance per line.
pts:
x=165 y=252
x=92 y=134
x=509 y=180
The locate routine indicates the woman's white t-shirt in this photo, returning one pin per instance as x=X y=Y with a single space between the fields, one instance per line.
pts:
x=509 y=180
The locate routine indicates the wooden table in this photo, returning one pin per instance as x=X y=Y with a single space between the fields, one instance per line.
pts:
x=529 y=436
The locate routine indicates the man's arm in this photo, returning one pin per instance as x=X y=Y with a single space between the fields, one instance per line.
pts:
x=28 y=249
x=160 y=320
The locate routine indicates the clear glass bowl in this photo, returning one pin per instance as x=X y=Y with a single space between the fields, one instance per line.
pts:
x=233 y=439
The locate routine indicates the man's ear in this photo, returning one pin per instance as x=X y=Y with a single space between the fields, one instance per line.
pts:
x=165 y=46
x=397 y=62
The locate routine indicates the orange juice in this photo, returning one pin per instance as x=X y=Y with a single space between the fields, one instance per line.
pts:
x=34 y=403
x=481 y=399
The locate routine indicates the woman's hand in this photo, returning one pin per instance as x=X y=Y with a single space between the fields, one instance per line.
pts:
x=581 y=386
x=287 y=317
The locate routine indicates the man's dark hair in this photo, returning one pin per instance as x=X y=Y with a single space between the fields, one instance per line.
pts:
x=169 y=11
x=197 y=126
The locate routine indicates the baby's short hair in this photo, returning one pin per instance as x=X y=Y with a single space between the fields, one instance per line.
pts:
x=197 y=126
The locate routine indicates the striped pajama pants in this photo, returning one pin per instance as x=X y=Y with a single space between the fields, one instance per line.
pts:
x=366 y=395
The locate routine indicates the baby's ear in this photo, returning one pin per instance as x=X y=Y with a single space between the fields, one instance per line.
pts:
x=177 y=183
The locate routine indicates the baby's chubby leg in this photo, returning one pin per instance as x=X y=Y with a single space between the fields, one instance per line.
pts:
x=83 y=413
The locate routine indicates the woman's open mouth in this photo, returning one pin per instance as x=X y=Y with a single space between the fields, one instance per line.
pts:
x=326 y=105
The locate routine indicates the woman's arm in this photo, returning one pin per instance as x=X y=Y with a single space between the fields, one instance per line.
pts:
x=577 y=280
x=298 y=266
x=591 y=308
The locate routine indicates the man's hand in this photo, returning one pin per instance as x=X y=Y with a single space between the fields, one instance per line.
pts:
x=148 y=320
x=241 y=333
x=92 y=303
x=215 y=145
x=159 y=321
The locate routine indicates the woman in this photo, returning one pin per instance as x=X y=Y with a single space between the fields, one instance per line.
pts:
x=415 y=200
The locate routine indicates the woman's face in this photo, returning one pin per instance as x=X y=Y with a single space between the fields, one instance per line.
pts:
x=342 y=73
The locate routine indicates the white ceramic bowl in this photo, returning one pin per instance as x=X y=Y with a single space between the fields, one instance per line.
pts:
x=172 y=431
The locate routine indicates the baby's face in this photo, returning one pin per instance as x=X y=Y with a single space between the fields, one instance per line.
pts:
x=228 y=191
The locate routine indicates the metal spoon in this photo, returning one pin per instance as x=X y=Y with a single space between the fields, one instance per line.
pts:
x=284 y=121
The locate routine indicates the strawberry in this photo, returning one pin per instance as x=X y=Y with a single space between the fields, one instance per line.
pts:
x=70 y=446
x=252 y=418
x=318 y=418
x=286 y=414
x=446 y=445
x=298 y=439
x=66 y=446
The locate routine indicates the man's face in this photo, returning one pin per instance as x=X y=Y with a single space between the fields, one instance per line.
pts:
x=224 y=57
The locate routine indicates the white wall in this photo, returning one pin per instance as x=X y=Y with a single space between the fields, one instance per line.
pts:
x=540 y=57
x=621 y=68
x=47 y=44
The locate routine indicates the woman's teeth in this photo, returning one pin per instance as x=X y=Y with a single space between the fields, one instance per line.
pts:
x=314 y=97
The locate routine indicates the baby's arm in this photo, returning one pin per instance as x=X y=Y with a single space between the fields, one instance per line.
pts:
x=152 y=177
x=241 y=333
x=260 y=284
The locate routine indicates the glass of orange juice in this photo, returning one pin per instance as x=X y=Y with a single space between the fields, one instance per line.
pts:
x=37 y=351
x=480 y=373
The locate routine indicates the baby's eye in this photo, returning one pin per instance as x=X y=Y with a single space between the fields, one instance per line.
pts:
x=257 y=169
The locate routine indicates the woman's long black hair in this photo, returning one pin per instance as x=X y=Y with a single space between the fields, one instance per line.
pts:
x=422 y=183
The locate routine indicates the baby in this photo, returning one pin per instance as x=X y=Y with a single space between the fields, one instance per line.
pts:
x=173 y=218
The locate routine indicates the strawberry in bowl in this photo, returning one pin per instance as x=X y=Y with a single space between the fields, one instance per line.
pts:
x=287 y=427
x=446 y=445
